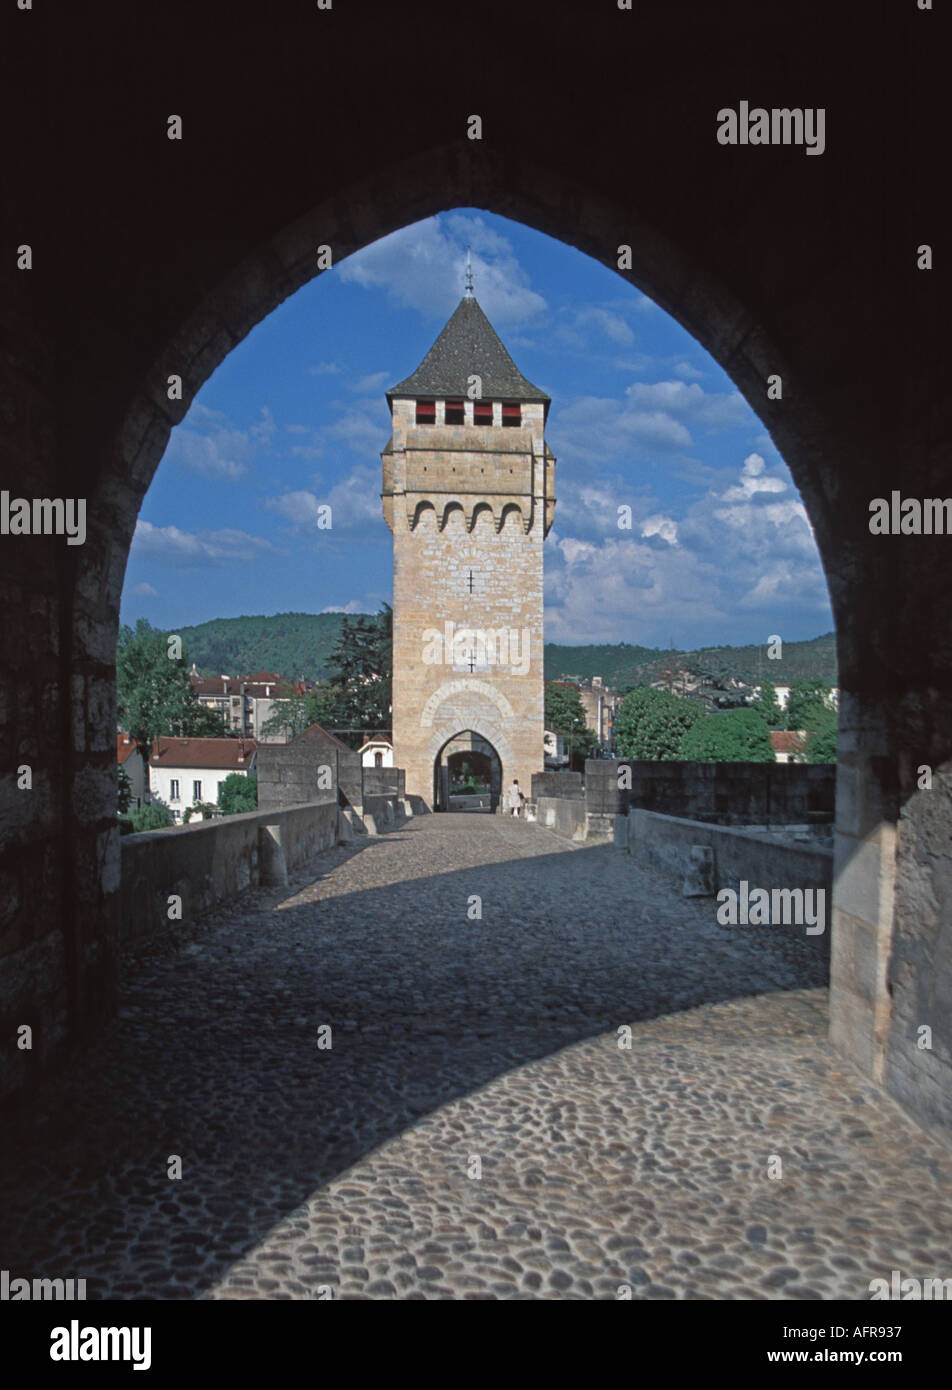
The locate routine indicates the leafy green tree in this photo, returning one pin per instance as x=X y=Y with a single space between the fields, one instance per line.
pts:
x=155 y=816
x=238 y=793
x=809 y=705
x=738 y=736
x=291 y=716
x=205 y=809
x=768 y=706
x=821 y=739
x=363 y=661
x=652 y=723
x=125 y=791
x=153 y=692
x=565 y=714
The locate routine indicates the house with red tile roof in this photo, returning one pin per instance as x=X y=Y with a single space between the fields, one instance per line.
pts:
x=184 y=772
x=244 y=703
x=788 y=744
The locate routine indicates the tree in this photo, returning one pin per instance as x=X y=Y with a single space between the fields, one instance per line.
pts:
x=768 y=706
x=295 y=713
x=155 y=816
x=739 y=736
x=821 y=737
x=363 y=660
x=809 y=705
x=565 y=714
x=238 y=793
x=652 y=723
x=821 y=745
x=153 y=692
x=125 y=791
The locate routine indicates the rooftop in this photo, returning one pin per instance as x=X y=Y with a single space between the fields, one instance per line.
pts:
x=468 y=346
x=235 y=753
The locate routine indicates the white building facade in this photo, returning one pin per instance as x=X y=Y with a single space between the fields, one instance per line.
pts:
x=187 y=772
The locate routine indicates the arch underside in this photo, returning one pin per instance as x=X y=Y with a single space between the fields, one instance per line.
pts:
x=498 y=512
x=794 y=267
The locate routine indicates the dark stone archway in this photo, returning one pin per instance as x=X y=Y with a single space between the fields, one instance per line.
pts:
x=467 y=756
x=152 y=258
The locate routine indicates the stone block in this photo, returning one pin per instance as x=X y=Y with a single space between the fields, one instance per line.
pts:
x=698 y=881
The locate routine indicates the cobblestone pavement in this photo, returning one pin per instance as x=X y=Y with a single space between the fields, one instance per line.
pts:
x=456 y=1039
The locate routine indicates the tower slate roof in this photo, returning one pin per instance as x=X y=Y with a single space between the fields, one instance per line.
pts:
x=468 y=346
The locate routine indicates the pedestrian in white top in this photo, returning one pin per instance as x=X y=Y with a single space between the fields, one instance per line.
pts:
x=515 y=798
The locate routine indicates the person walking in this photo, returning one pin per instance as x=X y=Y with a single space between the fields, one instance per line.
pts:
x=515 y=798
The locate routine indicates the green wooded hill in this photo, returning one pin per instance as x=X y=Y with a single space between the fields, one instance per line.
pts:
x=622 y=666
x=292 y=644
x=299 y=644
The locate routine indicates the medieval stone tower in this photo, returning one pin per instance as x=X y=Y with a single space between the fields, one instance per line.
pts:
x=468 y=492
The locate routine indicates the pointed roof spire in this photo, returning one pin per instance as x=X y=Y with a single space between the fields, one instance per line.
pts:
x=468 y=346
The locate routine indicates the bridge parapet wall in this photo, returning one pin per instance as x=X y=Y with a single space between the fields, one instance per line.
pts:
x=723 y=793
x=665 y=842
x=207 y=863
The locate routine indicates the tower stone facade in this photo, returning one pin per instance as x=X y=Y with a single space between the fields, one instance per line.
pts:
x=468 y=492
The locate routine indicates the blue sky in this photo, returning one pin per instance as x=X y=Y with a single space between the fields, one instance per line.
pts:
x=720 y=549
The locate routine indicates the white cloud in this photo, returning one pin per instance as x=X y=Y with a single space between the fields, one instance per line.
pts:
x=352 y=606
x=612 y=325
x=190 y=549
x=423 y=266
x=356 y=498
x=145 y=591
x=354 y=502
x=602 y=430
x=372 y=384
x=661 y=526
x=684 y=369
x=737 y=550
x=365 y=430
x=324 y=369
x=754 y=480
x=207 y=442
x=688 y=401
x=300 y=508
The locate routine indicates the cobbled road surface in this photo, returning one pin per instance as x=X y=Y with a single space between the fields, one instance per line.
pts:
x=478 y=1128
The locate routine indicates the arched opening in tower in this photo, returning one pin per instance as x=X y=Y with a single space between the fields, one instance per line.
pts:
x=467 y=774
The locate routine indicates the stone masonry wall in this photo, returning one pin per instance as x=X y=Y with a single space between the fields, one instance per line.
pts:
x=432 y=702
x=206 y=863
x=289 y=774
x=725 y=793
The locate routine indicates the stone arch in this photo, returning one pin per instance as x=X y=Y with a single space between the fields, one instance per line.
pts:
x=496 y=762
x=471 y=690
x=424 y=509
x=99 y=340
x=482 y=511
x=511 y=514
x=453 y=511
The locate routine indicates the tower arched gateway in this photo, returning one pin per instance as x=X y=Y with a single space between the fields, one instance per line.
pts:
x=467 y=774
x=469 y=494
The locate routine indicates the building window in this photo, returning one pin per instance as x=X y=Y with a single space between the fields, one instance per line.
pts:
x=512 y=415
x=196 y=791
x=482 y=412
x=426 y=412
x=378 y=760
x=220 y=785
x=453 y=412
x=174 y=789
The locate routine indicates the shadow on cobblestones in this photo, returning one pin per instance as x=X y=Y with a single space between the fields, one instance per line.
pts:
x=214 y=1056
